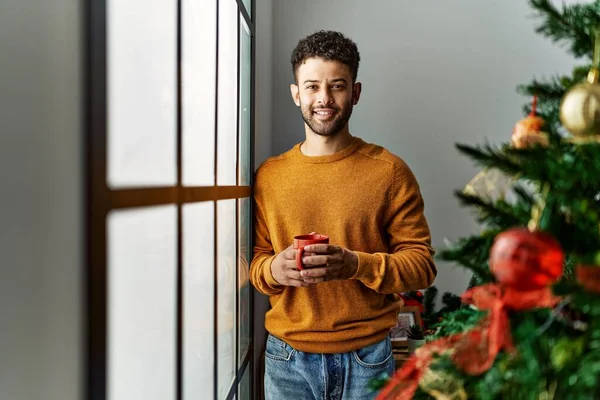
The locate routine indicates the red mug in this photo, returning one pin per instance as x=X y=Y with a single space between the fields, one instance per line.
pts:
x=304 y=240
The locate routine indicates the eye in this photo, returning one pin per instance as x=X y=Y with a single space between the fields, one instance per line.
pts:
x=311 y=87
x=338 y=87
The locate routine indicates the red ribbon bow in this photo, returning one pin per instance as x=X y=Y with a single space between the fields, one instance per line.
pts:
x=474 y=351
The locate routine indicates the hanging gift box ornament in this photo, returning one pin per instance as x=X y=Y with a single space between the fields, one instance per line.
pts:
x=528 y=131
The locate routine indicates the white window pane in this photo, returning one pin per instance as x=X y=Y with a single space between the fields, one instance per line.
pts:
x=227 y=99
x=199 y=49
x=142 y=256
x=227 y=260
x=244 y=310
x=245 y=106
x=198 y=301
x=141 y=92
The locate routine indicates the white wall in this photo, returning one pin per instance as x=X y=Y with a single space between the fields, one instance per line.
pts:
x=263 y=80
x=434 y=73
x=41 y=198
x=263 y=145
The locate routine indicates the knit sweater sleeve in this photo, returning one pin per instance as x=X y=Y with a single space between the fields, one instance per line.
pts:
x=263 y=255
x=409 y=264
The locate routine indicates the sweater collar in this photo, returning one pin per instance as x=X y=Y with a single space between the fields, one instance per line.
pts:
x=349 y=150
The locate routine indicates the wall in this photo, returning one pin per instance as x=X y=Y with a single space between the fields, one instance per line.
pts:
x=262 y=147
x=263 y=80
x=41 y=235
x=434 y=73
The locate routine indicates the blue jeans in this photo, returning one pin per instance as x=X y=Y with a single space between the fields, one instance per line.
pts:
x=294 y=375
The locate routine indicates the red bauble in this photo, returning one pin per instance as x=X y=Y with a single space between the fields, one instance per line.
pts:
x=526 y=260
x=414 y=303
x=588 y=276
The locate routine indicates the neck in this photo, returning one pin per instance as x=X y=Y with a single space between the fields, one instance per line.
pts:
x=317 y=145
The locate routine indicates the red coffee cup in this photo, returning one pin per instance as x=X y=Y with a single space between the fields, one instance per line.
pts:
x=304 y=240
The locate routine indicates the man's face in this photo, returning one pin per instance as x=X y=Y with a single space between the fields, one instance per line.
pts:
x=325 y=94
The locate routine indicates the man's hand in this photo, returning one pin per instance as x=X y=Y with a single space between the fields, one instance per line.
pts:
x=328 y=262
x=284 y=271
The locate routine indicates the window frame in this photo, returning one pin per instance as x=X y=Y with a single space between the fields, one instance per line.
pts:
x=101 y=200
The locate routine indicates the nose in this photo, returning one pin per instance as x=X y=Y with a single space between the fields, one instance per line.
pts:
x=325 y=96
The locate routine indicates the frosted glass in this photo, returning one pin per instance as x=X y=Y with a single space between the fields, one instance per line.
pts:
x=142 y=59
x=198 y=301
x=245 y=104
x=227 y=100
x=248 y=5
x=243 y=277
x=142 y=249
x=199 y=49
x=226 y=291
x=244 y=386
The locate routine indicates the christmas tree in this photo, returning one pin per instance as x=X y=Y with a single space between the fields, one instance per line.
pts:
x=529 y=327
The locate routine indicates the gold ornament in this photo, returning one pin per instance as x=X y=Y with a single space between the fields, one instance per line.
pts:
x=580 y=107
x=442 y=386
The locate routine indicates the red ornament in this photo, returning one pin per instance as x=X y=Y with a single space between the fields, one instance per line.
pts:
x=588 y=276
x=526 y=260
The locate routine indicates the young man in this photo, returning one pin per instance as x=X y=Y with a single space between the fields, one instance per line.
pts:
x=329 y=322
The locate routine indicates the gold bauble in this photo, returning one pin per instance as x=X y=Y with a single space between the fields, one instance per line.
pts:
x=580 y=109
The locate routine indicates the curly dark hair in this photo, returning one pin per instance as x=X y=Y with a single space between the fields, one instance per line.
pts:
x=328 y=45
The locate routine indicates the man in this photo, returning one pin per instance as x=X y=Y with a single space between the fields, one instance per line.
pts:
x=329 y=323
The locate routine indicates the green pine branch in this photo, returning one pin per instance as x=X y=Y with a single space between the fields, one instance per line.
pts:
x=472 y=253
x=550 y=93
x=495 y=214
x=451 y=302
x=523 y=195
x=554 y=88
x=429 y=300
x=489 y=157
x=551 y=89
x=571 y=26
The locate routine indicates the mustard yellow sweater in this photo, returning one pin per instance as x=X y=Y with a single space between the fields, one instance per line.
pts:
x=366 y=200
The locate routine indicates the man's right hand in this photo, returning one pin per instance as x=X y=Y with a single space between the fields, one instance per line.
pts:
x=284 y=271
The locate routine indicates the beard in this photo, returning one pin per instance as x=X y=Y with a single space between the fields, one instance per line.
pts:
x=330 y=127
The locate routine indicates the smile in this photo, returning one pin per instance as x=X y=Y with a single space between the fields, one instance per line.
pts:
x=324 y=113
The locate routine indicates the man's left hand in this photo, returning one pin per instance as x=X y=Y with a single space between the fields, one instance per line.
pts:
x=328 y=262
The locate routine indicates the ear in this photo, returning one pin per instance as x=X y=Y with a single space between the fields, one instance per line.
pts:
x=295 y=93
x=356 y=90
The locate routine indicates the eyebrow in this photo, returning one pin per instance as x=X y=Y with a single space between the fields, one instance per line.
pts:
x=316 y=81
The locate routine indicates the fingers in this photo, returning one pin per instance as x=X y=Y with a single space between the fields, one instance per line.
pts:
x=310 y=281
x=290 y=276
x=321 y=274
x=321 y=248
x=291 y=279
x=317 y=260
x=322 y=262
x=298 y=283
x=294 y=278
x=289 y=253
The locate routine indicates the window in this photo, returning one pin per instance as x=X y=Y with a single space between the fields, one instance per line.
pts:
x=170 y=143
